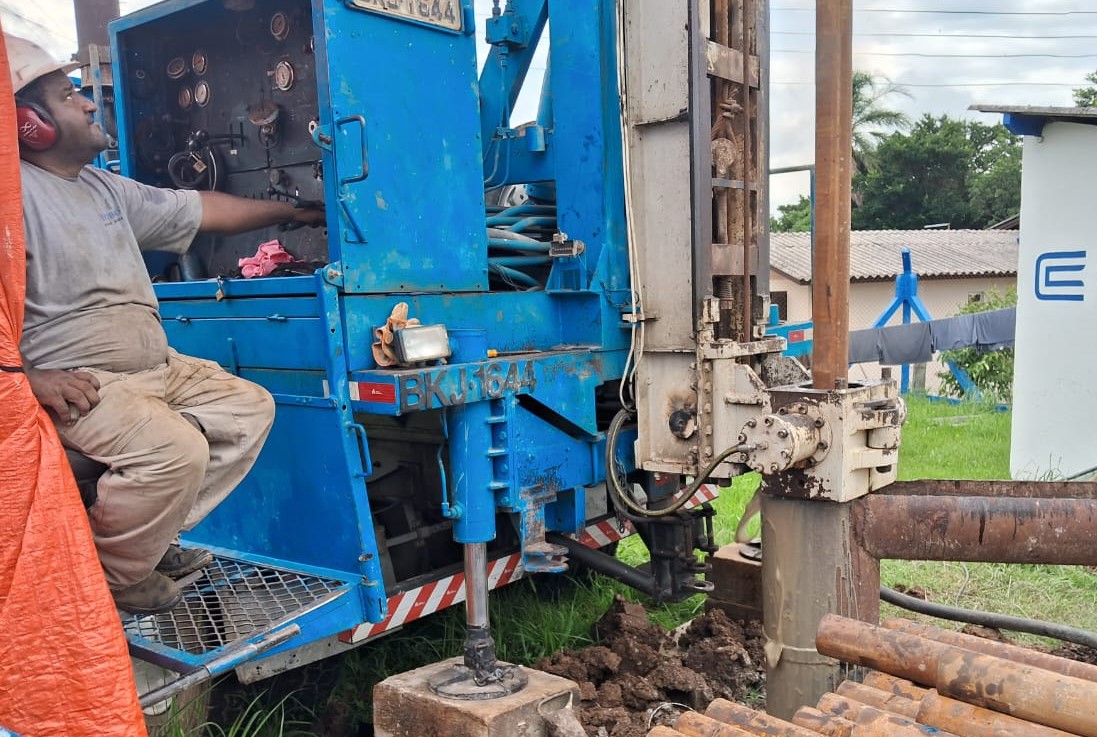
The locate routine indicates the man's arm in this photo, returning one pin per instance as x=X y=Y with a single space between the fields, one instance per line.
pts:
x=226 y=214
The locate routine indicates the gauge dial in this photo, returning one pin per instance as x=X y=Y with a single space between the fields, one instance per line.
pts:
x=283 y=75
x=176 y=68
x=202 y=93
x=186 y=98
x=199 y=62
x=279 y=26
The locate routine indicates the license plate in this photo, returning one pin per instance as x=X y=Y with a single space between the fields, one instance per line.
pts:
x=441 y=13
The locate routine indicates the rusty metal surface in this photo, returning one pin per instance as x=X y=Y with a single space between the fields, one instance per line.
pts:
x=1017 y=654
x=1012 y=489
x=963 y=693
x=92 y=17
x=977 y=528
x=833 y=143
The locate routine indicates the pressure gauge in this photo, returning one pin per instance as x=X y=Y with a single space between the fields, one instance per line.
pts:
x=176 y=68
x=186 y=98
x=202 y=93
x=279 y=26
x=283 y=75
x=198 y=62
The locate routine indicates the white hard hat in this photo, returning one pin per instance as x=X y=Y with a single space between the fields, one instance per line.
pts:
x=28 y=62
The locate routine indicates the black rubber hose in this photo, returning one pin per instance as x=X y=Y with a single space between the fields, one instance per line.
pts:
x=989 y=619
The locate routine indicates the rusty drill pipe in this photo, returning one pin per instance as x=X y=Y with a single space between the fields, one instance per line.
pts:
x=895 y=653
x=841 y=706
x=92 y=17
x=825 y=724
x=882 y=700
x=833 y=154
x=891 y=684
x=664 y=732
x=873 y=722
x=1034 y=694
x=876 y=723
x=967 y=720
x=998 y=489
x=753 y=722
x=692 y=724
x=934 y=710
x=977 y=529
x=1017 y=654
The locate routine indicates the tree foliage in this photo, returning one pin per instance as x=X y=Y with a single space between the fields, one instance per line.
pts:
x=871 y=120
x=990 y=371
x=945 y=170
x=1087 y=96
x=793 y=218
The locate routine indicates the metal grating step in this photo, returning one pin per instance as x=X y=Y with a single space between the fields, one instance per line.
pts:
x=227 y=602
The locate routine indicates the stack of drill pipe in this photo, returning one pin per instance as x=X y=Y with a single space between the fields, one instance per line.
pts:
x=926 y=681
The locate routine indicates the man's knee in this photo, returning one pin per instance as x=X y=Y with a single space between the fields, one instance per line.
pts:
x=265 y=405
x=185 y=455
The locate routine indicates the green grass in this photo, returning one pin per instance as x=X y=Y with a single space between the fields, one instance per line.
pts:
x=946 y=441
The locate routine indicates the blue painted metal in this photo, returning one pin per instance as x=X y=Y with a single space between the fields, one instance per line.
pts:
x=405 y=157
x=906 y=298
x=1020 y=124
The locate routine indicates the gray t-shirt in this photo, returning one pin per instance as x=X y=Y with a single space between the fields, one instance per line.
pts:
x=89 y=301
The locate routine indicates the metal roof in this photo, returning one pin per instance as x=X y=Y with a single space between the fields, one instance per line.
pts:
x=876 y=255
x=1029 y=120
x=1044 y=112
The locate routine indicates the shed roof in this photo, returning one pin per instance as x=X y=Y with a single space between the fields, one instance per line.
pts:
x=876 y=255
x=1029 y=120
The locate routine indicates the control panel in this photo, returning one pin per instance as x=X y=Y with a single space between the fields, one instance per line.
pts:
x=223 y=96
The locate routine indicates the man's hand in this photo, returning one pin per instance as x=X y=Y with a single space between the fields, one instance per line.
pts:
x=312 y=216
x=68 y=394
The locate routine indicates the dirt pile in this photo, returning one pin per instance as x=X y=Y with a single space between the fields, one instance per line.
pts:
x=639 y=675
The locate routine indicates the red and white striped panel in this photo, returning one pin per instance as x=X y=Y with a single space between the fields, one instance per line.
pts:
x=407 y=606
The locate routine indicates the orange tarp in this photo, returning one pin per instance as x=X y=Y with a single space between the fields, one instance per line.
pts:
x=64 y=667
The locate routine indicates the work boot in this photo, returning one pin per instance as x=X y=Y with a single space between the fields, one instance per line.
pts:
x=153 y=594
x=178 y=562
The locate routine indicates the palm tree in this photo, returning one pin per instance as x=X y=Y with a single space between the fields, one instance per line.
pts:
x=870 y=118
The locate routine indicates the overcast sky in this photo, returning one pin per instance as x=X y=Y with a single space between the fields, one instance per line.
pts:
x=1002 y=51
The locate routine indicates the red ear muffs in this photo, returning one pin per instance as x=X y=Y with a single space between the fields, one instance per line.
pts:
x=37 y=131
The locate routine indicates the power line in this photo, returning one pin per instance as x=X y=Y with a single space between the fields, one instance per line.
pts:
x=944 y=35
x=947 y=56
x=954 y=12
x=955 y=84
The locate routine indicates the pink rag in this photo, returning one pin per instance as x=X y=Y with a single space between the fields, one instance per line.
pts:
x=265 y=260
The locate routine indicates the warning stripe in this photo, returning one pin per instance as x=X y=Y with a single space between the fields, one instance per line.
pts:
x=408 y=606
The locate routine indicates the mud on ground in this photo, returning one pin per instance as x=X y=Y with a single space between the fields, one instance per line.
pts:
x=639 y=675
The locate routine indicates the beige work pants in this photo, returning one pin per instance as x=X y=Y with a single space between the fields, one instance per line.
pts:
x=165 y=475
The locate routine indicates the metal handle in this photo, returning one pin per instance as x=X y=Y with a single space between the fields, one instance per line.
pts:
x=220 y=664
x=340 y=125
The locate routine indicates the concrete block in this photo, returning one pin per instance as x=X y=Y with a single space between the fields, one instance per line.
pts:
x=404 y=706
x=737 y=582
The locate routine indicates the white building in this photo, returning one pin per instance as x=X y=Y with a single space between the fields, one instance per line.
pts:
x=954 y=267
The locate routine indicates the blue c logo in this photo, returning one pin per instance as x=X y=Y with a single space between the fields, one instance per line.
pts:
x=1053 y=288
